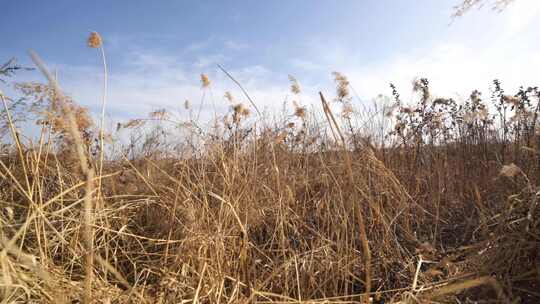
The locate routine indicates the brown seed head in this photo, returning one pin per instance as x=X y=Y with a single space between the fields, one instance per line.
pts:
x=300 y=112
x=512 y=100
x=159 y=114
x=295 y=86
x=342 y=85
x=239 y=111
x=229 y=97
x=483 y=114
x=94 y=41
x=133 y=123
x=347 y=110
x=205 y=81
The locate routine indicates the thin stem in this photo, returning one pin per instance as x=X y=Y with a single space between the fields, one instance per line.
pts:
x=102 y=127
x=241 y=88
x=88 y=216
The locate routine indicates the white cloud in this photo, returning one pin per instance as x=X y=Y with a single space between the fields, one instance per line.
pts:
x=455 y=65
x=305 y=65
x=520 y=14
x=452 y=69
x=209 y=60
x=235 y=45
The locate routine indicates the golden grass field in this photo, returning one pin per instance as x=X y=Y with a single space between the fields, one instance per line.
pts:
x=430 y=202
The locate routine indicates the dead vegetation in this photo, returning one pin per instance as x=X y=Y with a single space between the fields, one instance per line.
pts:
x=315 y=208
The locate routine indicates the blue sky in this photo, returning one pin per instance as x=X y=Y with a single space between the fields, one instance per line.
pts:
x=157 y=49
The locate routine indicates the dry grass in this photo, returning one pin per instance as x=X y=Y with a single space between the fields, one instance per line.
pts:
x=310 y=209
